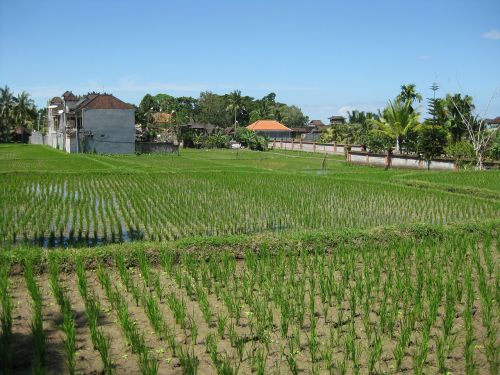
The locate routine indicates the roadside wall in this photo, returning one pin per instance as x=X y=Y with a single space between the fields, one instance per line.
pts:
x=406 y=161
x=300 y=145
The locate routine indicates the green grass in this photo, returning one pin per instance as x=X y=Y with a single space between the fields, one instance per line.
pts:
x=483 y=180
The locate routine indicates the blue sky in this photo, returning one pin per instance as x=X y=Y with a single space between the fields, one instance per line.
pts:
x=324 y=56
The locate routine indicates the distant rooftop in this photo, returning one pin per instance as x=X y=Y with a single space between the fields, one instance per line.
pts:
x=267 y=125
x=102 y=101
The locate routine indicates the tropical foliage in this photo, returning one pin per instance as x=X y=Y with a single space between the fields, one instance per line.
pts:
x=15 y=111
x=397 y=119
x=451 y=128
x=222 y=111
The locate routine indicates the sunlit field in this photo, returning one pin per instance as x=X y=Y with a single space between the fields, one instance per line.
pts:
x=225 y=262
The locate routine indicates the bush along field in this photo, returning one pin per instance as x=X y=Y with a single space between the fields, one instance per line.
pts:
x=214 y=262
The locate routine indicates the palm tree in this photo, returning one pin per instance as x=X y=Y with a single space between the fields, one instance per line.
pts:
x=396 y=120
x=235 y=104
x=459 y=108
x=24 y=109
x=6 y=113
x=409 y=94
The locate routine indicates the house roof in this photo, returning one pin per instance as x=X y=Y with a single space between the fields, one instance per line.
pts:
x=494 y=121
x=267 y=125
x=56 y=100
x=102 y=101
x=336 y=118
x=69 y=96
x=161 y=117
x=197 y=126
x=316 y=123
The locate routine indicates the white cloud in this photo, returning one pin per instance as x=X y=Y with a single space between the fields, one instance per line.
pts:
x=367 y=107
x=493 y=34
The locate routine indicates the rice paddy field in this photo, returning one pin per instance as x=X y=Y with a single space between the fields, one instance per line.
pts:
x=217 y=262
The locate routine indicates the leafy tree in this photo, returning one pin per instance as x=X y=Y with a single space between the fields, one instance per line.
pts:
x=264 y=111
x=461 y=150
x=431 y=141
x=396 y=120
x=494 y=149
x=212 y=110
x=378 y=141
x=292 y=116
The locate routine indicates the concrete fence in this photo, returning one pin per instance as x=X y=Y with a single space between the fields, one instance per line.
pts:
x=407 y=161
x=300 y=145
x=36 y=138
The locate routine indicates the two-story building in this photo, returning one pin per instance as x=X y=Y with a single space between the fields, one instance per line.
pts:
x=94 y=122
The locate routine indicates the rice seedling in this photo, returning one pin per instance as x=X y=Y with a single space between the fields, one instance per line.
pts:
x=40 y=339
x=5 y=320
x=221 y=325
x=68 y=324
x=189 y=361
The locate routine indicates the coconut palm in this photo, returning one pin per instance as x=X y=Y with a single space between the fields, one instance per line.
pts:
x=458 y=109
x=396 y=120
x=235 y=104
x=409 y=94
x=6 y=114
x=24 y=109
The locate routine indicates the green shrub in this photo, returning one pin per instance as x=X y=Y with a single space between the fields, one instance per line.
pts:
x=251 y=140
x=431 y=141
x=378 y=141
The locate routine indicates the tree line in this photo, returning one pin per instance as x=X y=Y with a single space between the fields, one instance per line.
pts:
x=451 y=128
x=221 y=110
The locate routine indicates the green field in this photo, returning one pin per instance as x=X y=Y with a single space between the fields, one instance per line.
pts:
x=51 y=198
x=217 y=262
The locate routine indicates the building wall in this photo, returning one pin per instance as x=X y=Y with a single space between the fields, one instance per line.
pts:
x=113 y=131
x=70 y=144
x=275 y=134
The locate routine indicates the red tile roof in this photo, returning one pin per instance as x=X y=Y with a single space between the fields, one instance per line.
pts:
x=104 y=101
x=267 y=125
x=495 y=120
